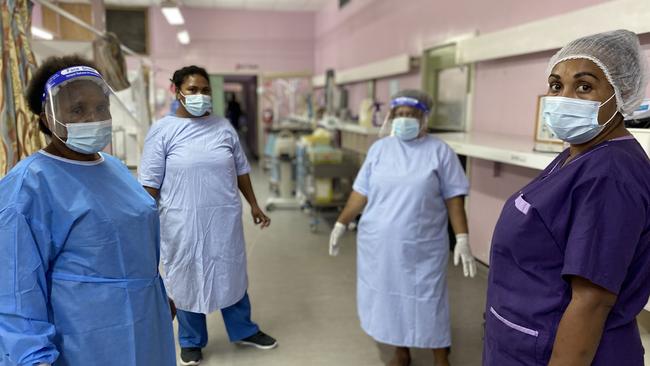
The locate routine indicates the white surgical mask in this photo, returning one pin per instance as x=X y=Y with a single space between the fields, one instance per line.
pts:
x=574 y=120
x=406 y=128
x=197 y=104
x=88 y=138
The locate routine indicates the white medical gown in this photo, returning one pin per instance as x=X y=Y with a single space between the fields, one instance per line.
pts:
x=402 y=241
x=79 y=281
x=195 y=162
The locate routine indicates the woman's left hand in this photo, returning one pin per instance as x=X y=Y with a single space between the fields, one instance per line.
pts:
x=260 y=218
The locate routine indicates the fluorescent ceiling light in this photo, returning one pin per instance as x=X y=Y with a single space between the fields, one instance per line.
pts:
x=173 y=15
x=183 y=37
x=42 y=33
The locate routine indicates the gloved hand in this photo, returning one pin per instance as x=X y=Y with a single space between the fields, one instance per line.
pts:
x=464 y=252
x=335 y=237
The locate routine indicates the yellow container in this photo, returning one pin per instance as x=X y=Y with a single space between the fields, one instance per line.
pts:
x=324 y=191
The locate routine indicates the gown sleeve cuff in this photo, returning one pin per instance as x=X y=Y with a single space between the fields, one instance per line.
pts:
x=149 y=182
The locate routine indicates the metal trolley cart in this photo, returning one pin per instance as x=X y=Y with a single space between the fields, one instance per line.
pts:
x=324 y=186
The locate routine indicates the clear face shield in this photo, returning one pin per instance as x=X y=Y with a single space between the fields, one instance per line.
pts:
x=407 y=119
x=77 y=106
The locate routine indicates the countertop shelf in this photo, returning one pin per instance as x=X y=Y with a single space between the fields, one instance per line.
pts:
x=334 y=124
x=352 y=127
x=506 y=149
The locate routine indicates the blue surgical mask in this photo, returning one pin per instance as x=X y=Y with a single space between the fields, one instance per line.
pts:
x=406 y=128
x=197 y=104
x=574 y=120
x=88 y=138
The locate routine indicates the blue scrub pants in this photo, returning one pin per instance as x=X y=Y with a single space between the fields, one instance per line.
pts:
x=193 y=331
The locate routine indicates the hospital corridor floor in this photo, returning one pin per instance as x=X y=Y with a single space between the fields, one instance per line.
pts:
x=307 y=300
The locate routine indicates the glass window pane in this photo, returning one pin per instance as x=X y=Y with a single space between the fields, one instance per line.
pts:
x=451 y=98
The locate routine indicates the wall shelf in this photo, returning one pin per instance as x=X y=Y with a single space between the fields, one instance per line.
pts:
x=318 y=81
x=393 y=66
x=554 y=32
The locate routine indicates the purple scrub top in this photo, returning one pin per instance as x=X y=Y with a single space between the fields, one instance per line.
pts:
x=590 y=218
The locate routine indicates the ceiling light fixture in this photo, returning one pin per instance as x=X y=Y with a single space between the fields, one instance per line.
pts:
x=173 y=15
x=183 y=37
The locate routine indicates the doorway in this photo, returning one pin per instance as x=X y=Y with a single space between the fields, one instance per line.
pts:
x=235 y=98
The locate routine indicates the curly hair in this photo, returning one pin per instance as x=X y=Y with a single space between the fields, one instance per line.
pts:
x=36 y=86
x=181 y=74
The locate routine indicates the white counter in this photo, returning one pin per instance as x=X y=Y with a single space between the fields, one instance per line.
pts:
x=512 y=150
x=351 y=127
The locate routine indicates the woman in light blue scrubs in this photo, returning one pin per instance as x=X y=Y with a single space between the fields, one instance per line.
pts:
x=194 y=164
x=408 y=186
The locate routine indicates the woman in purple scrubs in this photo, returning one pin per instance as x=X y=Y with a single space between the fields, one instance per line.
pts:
x=570 y=261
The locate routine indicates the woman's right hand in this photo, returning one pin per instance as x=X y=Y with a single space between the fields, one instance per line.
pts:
x=335 y=238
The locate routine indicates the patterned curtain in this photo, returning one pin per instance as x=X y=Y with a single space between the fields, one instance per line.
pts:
x=19 y=134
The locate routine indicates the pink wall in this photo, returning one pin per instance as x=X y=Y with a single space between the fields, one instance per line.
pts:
x=37 y=15
x=222 y=39
x=506 y=90
x=371 y=30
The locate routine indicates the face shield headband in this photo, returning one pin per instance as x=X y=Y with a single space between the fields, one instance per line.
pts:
x=408 y=102
x=66 y=75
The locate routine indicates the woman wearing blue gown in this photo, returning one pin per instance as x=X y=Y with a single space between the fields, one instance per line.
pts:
x=79 y=239
x=408 y=187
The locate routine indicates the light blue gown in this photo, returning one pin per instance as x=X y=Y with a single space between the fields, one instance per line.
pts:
x=402 y=242
x=195 y=163
x=79 y=281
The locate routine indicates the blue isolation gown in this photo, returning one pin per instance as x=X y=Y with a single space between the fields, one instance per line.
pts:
x=195 y=163
x=79 y=283
x=403 y=243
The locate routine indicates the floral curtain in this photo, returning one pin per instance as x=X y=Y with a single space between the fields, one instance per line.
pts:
x=19 y=134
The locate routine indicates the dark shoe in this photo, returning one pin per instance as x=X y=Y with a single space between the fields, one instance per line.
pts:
x=260 y=340
x=191 y=356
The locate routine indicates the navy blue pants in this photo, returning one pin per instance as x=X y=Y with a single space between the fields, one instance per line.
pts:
x=193 y=331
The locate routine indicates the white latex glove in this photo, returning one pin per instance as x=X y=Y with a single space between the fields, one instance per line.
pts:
x=335 y=238
x=464 y=252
